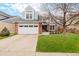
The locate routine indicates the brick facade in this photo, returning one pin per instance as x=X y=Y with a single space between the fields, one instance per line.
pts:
x=16 y=27
x=9 y=26
x=40 y=25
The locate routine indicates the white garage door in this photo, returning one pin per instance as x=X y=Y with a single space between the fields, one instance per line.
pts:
x=27 y=29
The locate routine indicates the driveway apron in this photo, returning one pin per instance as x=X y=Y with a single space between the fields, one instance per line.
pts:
x=19 y=45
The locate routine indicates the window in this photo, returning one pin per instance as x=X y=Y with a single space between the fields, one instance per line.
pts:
x=44 y=19
x=26 y=26
x=20 y=26
x=30 y=25
x=27 y=16
x=30 y=16
x=36 y=26
x=52 y=27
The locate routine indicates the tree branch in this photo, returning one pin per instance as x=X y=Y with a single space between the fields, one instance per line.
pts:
x=70 y=23
x=72 y=17
x=53 y=17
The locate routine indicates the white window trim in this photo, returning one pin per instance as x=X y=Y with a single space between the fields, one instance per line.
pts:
x=32 y=13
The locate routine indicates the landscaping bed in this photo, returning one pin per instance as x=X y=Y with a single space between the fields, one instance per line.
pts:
x=11 y=34
x=5 y=33
x=68 y=42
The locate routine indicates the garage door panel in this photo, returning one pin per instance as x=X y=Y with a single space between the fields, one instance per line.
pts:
x=28 y=29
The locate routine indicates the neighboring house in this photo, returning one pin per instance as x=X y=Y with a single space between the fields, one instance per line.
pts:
x=9 y=24
x=75 y=24
x=32 y=23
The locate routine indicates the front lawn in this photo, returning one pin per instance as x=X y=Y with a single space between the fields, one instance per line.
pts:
x=58 y=43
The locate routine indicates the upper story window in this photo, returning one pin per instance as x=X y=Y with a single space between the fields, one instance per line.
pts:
x=44 y=19
x=29 y=16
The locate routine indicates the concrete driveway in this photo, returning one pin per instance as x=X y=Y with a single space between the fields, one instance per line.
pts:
x=19 y=45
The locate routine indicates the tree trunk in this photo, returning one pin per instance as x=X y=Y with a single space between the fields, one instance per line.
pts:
x=64 y=29
x=64 y=19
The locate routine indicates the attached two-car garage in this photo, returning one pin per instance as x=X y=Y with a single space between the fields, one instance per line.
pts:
x=27 y=28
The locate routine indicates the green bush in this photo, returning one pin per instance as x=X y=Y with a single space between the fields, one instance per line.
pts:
x=13 y=33
x=5 y=32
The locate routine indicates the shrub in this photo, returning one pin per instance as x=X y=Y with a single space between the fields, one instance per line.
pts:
x=73 y=30
x=5 y=32
x=60 y=29
x=13 y=33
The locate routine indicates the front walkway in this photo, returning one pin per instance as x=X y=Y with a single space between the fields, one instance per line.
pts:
x=19 y=45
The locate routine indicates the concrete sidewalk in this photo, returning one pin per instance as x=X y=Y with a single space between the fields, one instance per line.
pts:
x=56 y=54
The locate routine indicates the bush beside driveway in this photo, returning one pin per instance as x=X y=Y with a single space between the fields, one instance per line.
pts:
x=5 y=33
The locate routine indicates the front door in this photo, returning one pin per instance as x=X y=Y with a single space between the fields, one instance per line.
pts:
x=44 y=28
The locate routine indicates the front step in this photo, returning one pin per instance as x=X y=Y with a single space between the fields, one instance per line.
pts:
x=45 y=33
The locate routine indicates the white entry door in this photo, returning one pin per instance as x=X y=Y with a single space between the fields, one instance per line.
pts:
x=27 y=29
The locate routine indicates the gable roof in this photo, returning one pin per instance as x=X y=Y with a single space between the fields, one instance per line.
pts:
x=4 y=16
x=12 y=19
x=3 y=13
x=29 y=8
x=7 y=18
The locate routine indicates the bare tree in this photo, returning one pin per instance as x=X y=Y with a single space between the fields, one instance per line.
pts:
x=69 y=12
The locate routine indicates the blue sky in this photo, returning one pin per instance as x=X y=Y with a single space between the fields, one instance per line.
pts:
x=16 y=9
x=9 y=9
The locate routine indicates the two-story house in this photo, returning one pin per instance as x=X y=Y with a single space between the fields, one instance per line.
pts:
x=32 y=23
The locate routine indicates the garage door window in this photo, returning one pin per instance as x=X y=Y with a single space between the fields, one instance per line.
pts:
x=25 y=25
x=30 y=25
x=35 y=26
x=20 y=26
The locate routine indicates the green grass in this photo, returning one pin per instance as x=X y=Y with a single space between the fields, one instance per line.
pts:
x=3 y=37
x=58 y=43
x=11 y=34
